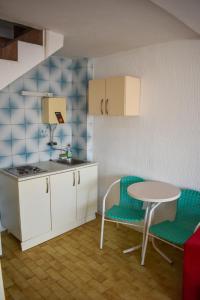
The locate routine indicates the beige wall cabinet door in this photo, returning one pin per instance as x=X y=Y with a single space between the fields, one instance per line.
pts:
x=114 y=96
x=96 y=97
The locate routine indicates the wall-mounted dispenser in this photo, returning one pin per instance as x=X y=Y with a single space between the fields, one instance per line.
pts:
x=54 y=110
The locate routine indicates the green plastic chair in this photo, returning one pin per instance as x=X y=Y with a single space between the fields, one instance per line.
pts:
x=186 y=221
x=128 y=211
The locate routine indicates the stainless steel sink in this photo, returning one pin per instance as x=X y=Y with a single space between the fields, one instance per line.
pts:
x=70 y=163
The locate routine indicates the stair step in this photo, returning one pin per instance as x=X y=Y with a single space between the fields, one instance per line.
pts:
x=8 y=46
x=33 y=36
x=10 y=52
x=4 y=42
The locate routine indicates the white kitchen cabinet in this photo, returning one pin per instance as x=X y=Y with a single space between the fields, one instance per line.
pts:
x=63 y=201
x=73 y=198
x=34 y=207
x=86 y=193
x=37 y=209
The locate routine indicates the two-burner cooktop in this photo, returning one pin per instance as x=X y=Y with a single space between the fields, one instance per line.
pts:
x=26 y=170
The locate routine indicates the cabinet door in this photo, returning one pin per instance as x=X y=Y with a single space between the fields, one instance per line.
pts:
x=63 y=200
x=34 y=201
x=96 y=97
x=115 y=96
x=86 y=193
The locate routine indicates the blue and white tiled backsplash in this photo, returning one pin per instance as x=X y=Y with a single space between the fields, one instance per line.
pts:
x=23 y=136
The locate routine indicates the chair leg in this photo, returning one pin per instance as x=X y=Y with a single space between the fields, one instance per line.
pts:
x=160 y=252
x=132 y=249
x=102 y=231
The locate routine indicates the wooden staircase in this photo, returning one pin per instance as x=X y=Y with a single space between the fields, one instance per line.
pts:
x=17 y=32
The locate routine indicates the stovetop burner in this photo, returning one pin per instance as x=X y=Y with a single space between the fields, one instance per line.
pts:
x=25 y=170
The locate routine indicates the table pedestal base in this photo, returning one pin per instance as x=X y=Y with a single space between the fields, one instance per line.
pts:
x=132 y=249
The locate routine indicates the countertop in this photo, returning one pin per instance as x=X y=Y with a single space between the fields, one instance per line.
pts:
x=51 y=167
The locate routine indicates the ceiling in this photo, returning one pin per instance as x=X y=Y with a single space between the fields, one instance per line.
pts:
x=96 y=28
x=188 y=11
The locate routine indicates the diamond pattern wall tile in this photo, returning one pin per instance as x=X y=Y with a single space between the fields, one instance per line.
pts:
x=90 y=154
x=55 y=154
x=43 y=144
x=32 y=145
x=19 y=159
x=32 y=158
x=5 y=147
x=32 y=102
x=5 y=132
x=16 y=100
x=79 y=142
x=42 y=72
x=31 y=116
x=43 y=131
x=55 y=74
x=58 y=140
x=23 y=136
x=17 y=116
x=32 y=131
x=18 y=132
x=78 y=117
x=79 y=75
x=44 y=155
x=56 y=61
x=5 y=116
x=18 y=147
x=4 y=100
x=43 y=85
x=32 y=74
x=82 y=154
x=30 y=85
x=65 y=140
x=5 y=161
x=65 y=63
x=55 y=88
x=17 y=86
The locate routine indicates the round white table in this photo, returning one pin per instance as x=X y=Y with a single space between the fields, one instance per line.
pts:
x=154 y=193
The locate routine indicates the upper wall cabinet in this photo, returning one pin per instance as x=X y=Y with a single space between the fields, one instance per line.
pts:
x=114 y=96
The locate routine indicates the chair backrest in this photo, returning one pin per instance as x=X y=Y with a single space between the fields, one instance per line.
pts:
x=125 y=199
x=188 y=207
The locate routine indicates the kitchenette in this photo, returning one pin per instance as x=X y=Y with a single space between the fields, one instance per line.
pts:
x=46 y=199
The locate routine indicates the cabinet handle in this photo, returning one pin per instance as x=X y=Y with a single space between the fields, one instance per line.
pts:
x=102 y=106
x=106 y=106
x=79 y=177
x=73 y=178
x=47 y=185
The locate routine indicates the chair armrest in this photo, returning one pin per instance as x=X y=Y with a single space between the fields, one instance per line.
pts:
x=107 y=193
x=198 y=226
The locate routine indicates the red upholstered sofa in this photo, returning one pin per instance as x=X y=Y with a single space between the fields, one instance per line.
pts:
x=191 y=270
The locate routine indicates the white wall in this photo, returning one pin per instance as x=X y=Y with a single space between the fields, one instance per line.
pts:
x=163 y=143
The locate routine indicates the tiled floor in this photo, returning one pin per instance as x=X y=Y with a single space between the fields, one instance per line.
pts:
x=71 y=266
